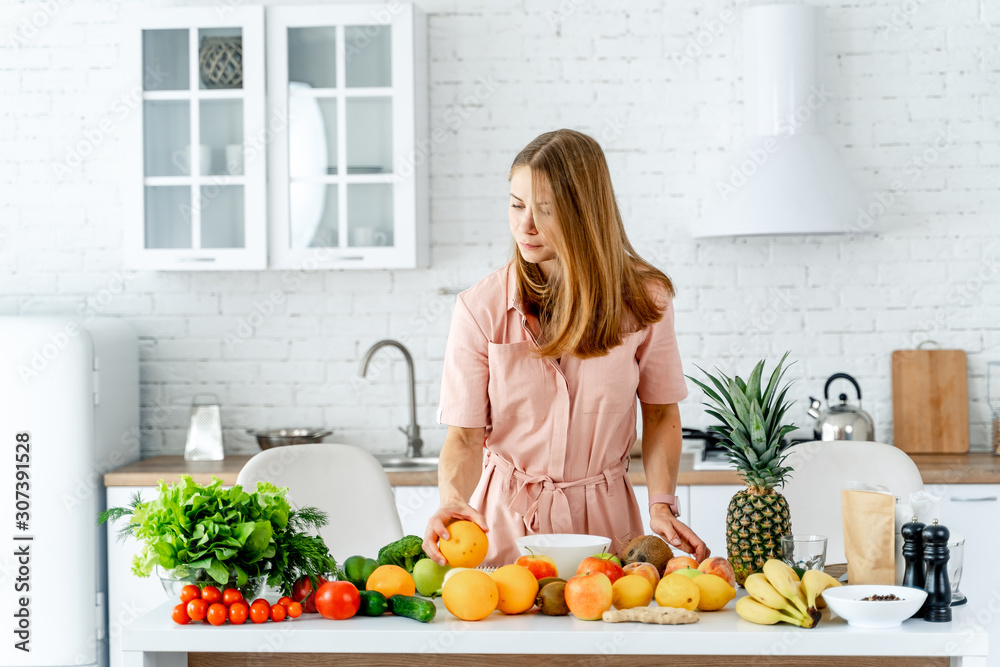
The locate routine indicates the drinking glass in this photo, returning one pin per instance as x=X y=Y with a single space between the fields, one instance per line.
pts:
x=804 y=552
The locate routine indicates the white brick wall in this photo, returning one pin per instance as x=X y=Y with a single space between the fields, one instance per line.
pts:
x=656 y=82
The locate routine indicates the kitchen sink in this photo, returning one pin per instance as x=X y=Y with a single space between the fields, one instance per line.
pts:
x=397 y=463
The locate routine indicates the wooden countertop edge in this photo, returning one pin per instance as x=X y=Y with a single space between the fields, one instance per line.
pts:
x=971 y=468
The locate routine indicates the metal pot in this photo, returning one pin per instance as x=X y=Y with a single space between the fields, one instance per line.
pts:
x=842 y=421
x=277 y=437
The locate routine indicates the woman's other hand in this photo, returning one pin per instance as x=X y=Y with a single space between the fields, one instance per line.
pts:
x=675 y=533
x=437 y=527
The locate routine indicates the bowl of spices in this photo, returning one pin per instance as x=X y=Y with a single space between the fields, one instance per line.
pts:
x=874 y=606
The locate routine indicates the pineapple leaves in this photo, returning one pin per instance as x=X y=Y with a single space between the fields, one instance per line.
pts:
x=750 y=421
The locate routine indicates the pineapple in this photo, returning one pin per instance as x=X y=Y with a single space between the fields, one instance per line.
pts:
x=751 y=425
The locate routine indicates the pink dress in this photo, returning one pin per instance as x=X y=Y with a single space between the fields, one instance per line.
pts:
x=558 y=434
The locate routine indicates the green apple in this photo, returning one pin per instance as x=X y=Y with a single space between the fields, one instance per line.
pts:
x=611 y=557
x=688 y=572
x=428 y=576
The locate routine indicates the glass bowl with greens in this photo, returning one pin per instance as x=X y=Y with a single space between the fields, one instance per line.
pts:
x=226 y=537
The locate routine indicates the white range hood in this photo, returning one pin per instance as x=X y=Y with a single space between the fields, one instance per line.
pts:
x=785 y=177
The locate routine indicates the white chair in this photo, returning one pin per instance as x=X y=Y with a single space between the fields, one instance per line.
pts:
x=345 y=482
x=822 y=470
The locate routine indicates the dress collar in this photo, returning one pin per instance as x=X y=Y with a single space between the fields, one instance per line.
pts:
x=513 y=299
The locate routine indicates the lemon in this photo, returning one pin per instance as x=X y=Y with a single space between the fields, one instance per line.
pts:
x=715 y=591
x=676 y=590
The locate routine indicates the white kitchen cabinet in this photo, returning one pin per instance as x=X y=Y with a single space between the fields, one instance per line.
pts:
x=325 y=168
x=348 y=164
x=196 y=179
x=709 y=505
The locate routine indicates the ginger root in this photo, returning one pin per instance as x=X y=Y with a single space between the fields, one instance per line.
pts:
x=659 y=615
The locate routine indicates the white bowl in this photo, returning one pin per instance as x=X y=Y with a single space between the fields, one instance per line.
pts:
x=566 y=550
x=846 y=602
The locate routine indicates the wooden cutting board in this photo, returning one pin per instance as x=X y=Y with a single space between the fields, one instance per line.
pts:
x=930 y=401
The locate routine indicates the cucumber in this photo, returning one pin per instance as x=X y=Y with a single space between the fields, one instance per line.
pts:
x=373 y=603
x=413 y=607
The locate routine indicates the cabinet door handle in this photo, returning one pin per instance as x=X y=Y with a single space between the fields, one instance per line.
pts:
x=349 y=257
x=984 y=499
x=195 y=259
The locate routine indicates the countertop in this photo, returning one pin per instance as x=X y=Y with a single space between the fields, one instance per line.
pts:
x=972 y=468
x=716 y=633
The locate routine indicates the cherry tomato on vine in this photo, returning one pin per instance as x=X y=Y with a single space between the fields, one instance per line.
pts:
x=278 y=613
x=294 y=610
x=285 y=601
x=211 y=594
x=238 y=613
x=231 y=596
x=180 y=615
x=217 y=614
x=190 y=592
x=197 y=609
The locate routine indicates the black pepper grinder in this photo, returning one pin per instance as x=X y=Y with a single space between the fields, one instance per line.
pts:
x=938 y=605
x=913 y=555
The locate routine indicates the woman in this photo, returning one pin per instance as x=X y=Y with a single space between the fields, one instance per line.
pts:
x=544 y=361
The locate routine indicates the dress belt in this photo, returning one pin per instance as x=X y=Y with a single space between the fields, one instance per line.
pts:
x=536 y=497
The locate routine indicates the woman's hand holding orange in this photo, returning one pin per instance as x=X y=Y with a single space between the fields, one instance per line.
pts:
x=437 y=527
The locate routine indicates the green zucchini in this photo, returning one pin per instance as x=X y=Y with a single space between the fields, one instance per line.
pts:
x=373 y=603
x=413 y=607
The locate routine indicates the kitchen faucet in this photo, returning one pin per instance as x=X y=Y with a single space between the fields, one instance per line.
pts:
x=414 y=445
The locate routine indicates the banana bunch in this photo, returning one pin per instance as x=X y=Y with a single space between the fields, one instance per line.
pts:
x=777 y=595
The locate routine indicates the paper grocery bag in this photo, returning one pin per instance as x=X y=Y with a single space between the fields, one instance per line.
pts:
x=869 y=536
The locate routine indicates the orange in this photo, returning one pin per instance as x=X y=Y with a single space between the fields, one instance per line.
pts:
x=391 y=580
x=466 y=544
x=517 y=588
x=470 y=595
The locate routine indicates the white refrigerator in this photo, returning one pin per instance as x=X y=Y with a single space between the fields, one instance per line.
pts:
x=69 y=412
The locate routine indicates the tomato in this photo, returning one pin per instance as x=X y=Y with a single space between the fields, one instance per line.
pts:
x=190 y=592
x=278 y=613
x=294 y=610
x=301 y=593
x=285 y=601
x=231 y=596
x=260 y=610
x=238 y=613
x=180 y=615
x=217 y=614
x=211 y=595
x=337 y=600
x=197 y=609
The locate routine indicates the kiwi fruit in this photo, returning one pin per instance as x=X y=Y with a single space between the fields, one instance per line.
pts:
x=647 y=549
x=548 y=580
x=551 y=599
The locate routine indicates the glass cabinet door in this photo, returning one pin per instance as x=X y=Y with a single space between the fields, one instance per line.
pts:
x=342 y=150
x=203 y=178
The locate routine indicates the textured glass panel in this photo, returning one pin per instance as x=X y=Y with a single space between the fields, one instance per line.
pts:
x=165 y=60
x=222 y=135
x=368 y=55
x=312 y=56
x=313 y=212
x=369 y=135
x=167 y=136
x=222 y=218
x=369 y=215
x=168 y=216
x=312 y=136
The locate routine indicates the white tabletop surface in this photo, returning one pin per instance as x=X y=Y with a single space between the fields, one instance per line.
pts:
x=717 y=633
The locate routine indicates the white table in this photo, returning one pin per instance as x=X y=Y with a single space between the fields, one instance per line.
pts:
x=155 y=640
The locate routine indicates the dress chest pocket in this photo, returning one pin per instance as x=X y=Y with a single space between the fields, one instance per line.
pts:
x=521 y=384
x=608 y=384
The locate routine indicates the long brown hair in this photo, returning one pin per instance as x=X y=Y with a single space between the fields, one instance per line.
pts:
x=601 y=288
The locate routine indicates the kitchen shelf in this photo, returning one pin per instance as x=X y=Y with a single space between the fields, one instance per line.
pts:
x=203 y=94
